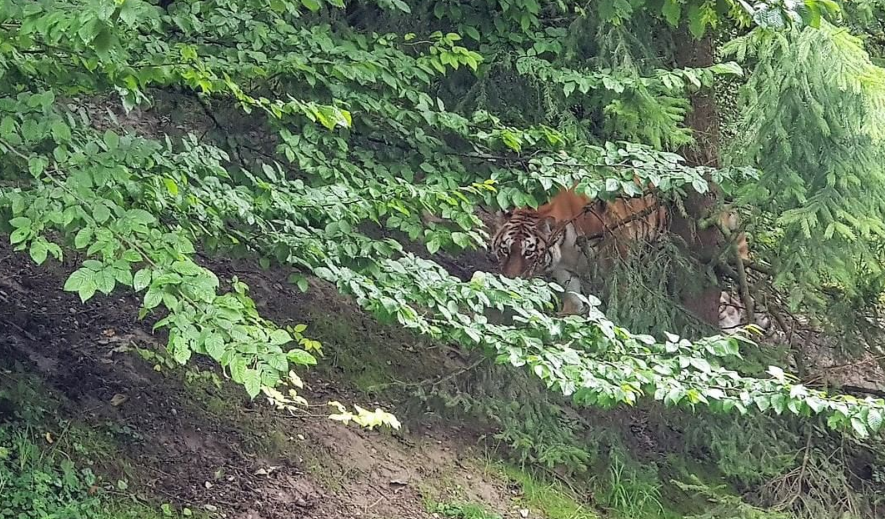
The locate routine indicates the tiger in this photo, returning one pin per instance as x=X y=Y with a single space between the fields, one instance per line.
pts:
x=532 y=242
x=546 y=241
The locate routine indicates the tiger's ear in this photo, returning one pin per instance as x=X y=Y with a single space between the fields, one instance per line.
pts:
x=501 y=217
x=547 y=224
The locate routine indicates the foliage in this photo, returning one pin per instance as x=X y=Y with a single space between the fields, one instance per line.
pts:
x=726 y=506
x=821 y=487
x=749 y=451
x=823 y=185
x=641 y=291
x=535 y=427
x=352 y=137
x=363 y=417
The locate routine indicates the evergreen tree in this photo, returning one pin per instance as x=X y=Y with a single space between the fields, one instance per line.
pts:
x=813 y=120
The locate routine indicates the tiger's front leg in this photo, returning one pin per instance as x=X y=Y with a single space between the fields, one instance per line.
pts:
x=571 y=301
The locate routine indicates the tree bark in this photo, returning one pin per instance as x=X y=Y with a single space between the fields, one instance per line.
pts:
x=703 y=119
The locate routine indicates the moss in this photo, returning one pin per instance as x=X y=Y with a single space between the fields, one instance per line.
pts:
x=458 y=510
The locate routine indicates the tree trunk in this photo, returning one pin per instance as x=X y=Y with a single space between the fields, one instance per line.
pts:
x=703 y=119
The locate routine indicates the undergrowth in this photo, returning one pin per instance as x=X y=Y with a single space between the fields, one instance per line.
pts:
x=630 y=491
x=533 y=426
x=757 y=456
x=749 y=451
x=553 y=499
x=643 y=290
x=47 y=465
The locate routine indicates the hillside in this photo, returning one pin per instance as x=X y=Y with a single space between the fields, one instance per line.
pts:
x=177 y=438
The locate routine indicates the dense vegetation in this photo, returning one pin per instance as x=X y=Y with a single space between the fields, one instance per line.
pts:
x=337 y=135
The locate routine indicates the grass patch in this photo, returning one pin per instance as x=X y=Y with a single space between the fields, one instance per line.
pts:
x=551 y=499
x=631 y=494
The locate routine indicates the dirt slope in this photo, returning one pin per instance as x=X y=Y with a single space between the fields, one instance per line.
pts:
x=182 y=440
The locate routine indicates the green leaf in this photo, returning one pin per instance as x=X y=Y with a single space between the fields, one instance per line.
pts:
x=83 y=237
x=132 y=256
x=696 y=24
x=874 y=420
x=111 y=140
x=105 y=280
x=171 y=186
x=859 y=427
x=215 y=346
x=461 y=239
x=778 y=403
x=815 y=403
x=19 y=235
x=101 y=213
x=39 y=251
x=76 y=280
x=471 y=31
x=252 y=380
x=21 y=222
x=433 y=245
x=277 y=361
x=279 y=337
x=763 y=402
x=181 y=352
x=82 y=281
x=238 y=365
x=672 y=11
x=729 y=68
x=141 y=216
x=37 y=165
x=142 y=280
x=301 y=358
x=61 y=131
x=312 y=5
x=153 y=298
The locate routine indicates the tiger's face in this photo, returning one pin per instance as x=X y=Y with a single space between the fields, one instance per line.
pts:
x=521 y=245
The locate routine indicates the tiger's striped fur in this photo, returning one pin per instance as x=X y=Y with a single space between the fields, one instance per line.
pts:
x=529 y=243
x=545 y=241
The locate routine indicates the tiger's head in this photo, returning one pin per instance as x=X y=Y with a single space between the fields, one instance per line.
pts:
x=521 y=245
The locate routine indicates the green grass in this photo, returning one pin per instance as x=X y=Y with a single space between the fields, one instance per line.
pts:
x=631 y=495
x=550 y=499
